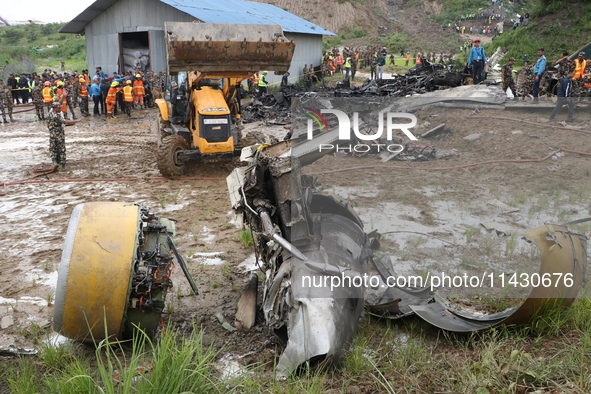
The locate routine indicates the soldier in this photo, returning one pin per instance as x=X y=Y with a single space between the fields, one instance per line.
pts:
x=69 y=93
x=37 y=95
x=83 y=94
x=528 y=81
x=3 y=103
x=57 y=143
x=507 y=76
x=7 y=93
x=564 y=65
x=353 y=68
x=76 y=90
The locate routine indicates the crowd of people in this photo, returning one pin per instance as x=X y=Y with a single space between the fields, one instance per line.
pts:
x=75 y=90
x=56 y=94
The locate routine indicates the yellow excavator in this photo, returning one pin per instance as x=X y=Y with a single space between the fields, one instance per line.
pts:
x=206 y=64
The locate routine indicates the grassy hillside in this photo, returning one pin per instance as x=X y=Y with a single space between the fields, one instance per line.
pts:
x=555 y=25
x=28 y=48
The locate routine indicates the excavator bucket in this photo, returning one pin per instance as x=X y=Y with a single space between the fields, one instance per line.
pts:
x=225 y=47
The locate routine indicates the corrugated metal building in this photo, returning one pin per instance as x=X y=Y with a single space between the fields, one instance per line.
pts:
x=121 y=34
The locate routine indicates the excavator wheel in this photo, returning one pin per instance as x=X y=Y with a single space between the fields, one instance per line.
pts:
x=114 y=272
x=169 y=161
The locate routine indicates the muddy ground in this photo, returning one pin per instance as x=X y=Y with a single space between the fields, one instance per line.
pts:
x=429 y=212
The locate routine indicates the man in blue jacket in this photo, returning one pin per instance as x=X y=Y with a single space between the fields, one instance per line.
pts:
x=564 y=95
x=539 y=69
x=477 y=60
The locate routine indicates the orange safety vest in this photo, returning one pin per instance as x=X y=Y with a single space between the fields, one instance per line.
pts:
x=138 y=88
x=579 y=68
x=407 y=57
x=128 y=93
x=111 y=95
x=418 y=60
x=256 y=79
x=340 y=60
x=83 y=91
x=85 y=76
x=47 y=95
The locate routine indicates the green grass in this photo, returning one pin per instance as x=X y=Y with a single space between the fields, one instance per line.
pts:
x=26 y=48
x=552 y=354
x=245 y=238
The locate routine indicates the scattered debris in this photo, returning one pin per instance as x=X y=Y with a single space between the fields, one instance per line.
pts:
x=500 y=229
x=473 y=137
x=225 y=323
x=434 y=132
x=499 y=204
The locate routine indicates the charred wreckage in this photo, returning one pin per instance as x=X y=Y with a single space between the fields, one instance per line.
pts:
x=307 y=241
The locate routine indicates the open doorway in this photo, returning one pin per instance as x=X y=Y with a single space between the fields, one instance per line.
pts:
x=134 y=52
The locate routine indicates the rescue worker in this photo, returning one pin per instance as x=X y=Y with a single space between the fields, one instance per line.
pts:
x=47 y=93
x=580 y=65
x=37 y=95
x=347 y=67
x=61 y=93
x=128 y=97
x=418 y=58
x=339 y=63
x=83 y=94
x=111 y=99
x=255 y=83
x=507 y=76
x=262 y=84
x=57 y=142
x=406 y=58
x=138 y=91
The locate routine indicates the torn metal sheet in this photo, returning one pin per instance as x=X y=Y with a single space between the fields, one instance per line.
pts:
x=564 y=255
x=501 y=229
x=505 y=207
x=467 y=94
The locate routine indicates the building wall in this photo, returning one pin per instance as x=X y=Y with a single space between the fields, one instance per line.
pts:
x=102 y=33
x=102 y=37
x=308 y=51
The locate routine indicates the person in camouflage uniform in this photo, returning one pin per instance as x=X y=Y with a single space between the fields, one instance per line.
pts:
x=507 y=76
x=7 y=94
x=353 y=68
x=57 y=141
x=37 y=95
x=76 y=90
x=528 y=81
x=564 y=65
x=70 y=98
x=3 y=103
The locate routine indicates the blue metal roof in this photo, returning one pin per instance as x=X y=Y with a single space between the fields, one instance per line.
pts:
x=240 y=11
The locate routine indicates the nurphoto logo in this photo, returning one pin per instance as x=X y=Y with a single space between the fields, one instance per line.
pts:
x=345 y=125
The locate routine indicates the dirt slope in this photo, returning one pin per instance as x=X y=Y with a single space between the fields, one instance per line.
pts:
x=376 y=17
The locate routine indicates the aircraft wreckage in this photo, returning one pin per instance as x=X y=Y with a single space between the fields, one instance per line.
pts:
x=303 y=237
